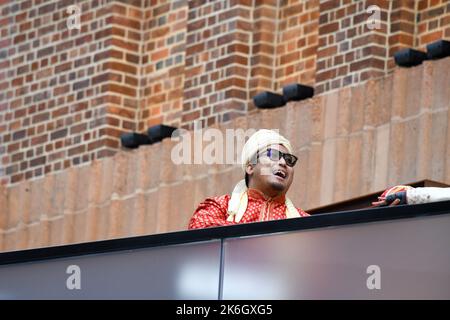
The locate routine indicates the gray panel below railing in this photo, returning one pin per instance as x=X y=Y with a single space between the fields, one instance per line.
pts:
x=186 y=271
x=342 y=255
x=413 y=256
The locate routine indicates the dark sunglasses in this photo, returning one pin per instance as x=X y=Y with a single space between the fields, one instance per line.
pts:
x=276 y=155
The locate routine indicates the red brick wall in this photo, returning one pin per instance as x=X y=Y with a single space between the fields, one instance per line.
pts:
x=263 y=48
x=416 y=24
x=162 y=73
x=433 y=21
x=297 y=43
x=120 y=63
x=217 y=61
x=403 y=27
x=67 y=95
x=349 y=52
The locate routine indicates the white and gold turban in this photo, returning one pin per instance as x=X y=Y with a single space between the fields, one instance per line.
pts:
x=239 y=198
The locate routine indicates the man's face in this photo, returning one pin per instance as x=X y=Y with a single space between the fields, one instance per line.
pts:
x=269 y=176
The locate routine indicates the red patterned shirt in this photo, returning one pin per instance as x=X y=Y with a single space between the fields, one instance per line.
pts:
x=213 y=211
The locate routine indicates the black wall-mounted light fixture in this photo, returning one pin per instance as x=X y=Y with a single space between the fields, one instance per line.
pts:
x=159 y=132
x=438 y=49
x=154 y=134
x=296 y=92
x=133 y=140
x=268 y=100
x=409 y=57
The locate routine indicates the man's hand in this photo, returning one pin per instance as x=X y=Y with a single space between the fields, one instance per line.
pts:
x=391 y=200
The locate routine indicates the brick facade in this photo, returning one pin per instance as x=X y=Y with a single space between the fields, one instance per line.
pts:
x=67 y=95
x=163 y=62
x=433 y=21
x=217 y=61
x=349 y=51
x=297 y=43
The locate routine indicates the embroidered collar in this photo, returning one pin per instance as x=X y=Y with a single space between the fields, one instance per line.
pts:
x=258 y=195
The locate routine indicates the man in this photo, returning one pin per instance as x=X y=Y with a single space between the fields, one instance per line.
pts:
x=268 y=163
x=409 y=195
